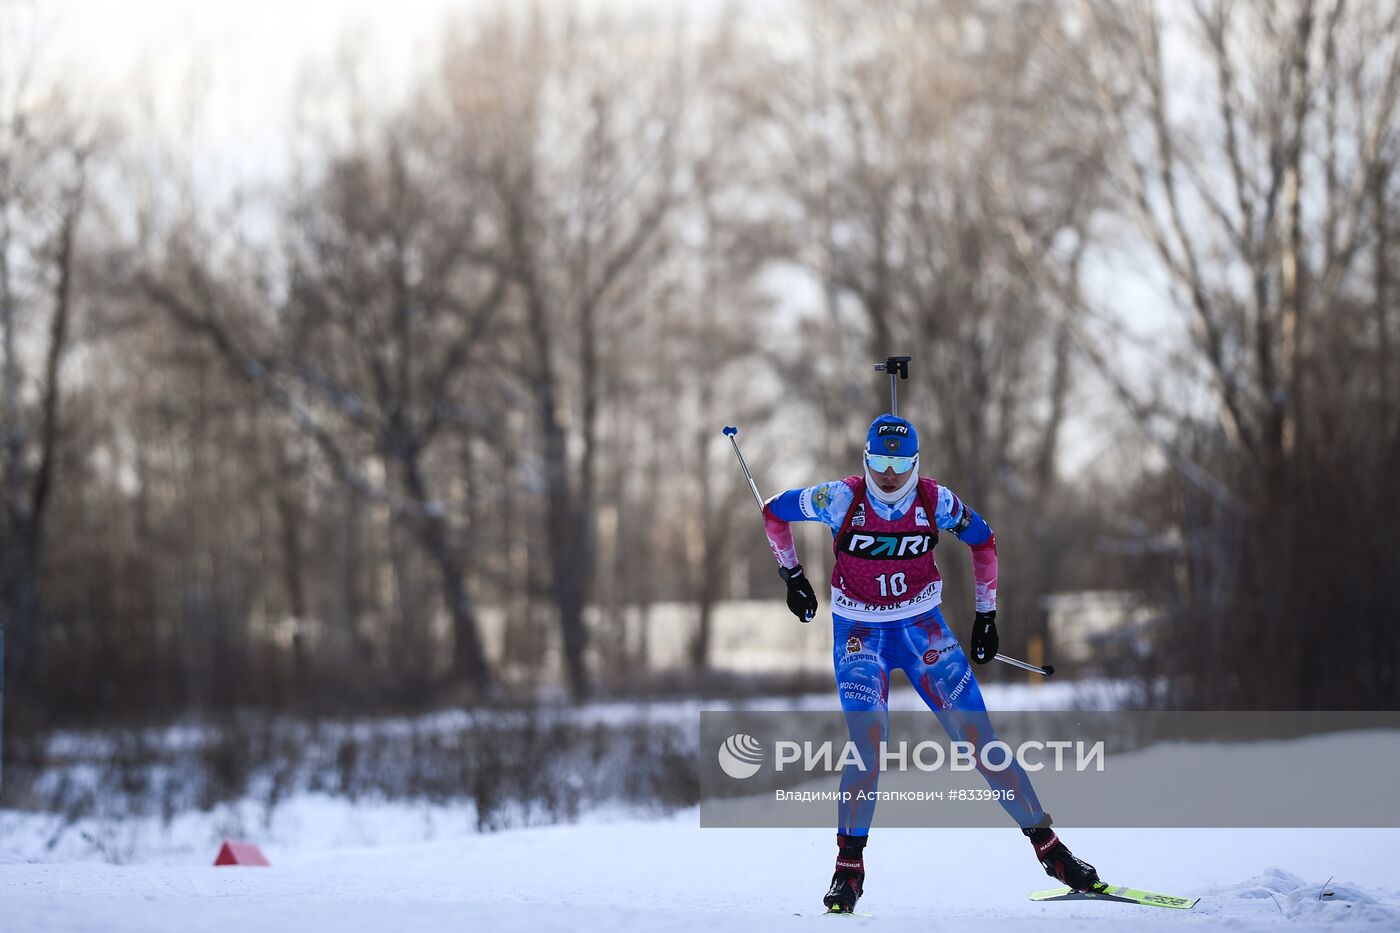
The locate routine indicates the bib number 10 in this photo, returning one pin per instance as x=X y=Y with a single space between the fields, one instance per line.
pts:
x=894 y=585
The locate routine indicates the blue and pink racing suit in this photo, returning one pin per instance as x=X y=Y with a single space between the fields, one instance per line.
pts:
x=879 y=625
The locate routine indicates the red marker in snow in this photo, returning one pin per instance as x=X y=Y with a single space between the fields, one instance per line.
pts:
x=240 y=853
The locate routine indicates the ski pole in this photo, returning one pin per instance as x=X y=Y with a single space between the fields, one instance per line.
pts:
x=1046 y=671
x=731 y=433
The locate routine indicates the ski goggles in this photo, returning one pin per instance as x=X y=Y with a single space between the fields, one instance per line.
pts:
x=879 y=463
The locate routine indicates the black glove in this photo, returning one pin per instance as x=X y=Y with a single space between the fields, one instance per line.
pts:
x=984 y=637
x=800 y=599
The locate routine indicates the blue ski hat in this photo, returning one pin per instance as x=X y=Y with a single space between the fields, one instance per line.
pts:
x=891 y=436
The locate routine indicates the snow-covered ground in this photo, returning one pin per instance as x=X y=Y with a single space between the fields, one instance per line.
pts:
x=402 y=866
x=669 y=875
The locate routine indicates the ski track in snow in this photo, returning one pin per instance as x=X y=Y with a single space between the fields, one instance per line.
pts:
x=668 y=875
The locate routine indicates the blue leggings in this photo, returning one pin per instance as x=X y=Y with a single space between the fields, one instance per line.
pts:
x=925 y=649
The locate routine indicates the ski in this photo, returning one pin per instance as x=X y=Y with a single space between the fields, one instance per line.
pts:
x=1108 y=892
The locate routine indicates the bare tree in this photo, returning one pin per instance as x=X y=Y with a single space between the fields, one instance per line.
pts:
x=1257 y=198
x=906 y=136
x=585 y=186
x=44 y=166
x=386 y=311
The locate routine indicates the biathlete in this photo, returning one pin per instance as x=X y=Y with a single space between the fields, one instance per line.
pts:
x=885 y=595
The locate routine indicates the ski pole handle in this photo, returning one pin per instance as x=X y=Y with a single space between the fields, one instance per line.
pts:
x=1046 y=671
x=732 y=433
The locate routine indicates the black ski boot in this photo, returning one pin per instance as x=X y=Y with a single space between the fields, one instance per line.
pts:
x=1059 y=862
x=848 y=883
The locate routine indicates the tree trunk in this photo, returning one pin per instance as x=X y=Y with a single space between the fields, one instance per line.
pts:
x=19 y=607
x=1293 y=271
x=1380 y=176
x=293 y=578
x=25 y=499
x=468 y=657
x=567 y=564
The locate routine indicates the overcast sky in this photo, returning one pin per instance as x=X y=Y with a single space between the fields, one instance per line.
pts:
x=241 y=61
x=237 y=64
